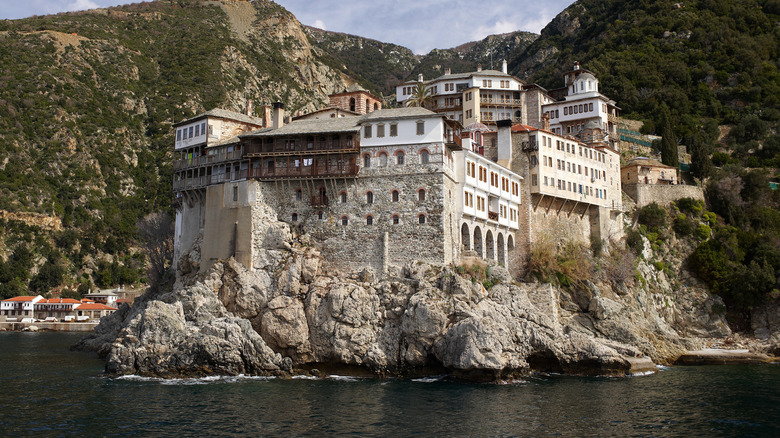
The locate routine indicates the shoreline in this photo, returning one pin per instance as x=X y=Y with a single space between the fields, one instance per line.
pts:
x=82 y=327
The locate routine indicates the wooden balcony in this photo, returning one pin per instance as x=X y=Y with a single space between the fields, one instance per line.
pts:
x=281 y=148
x=304 y=172
x=499 y=102
x=206 y=159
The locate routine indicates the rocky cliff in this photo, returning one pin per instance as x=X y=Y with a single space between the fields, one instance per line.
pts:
x=291 y=317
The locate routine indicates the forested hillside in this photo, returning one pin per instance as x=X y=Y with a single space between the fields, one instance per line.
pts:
x=86 y=106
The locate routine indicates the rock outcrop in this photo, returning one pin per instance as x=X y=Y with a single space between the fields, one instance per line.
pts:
x=289 y=316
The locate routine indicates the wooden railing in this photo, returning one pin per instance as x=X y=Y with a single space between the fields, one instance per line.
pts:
x=321 y=171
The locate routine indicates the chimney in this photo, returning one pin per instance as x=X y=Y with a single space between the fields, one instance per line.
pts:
x=576 y=65
x=479 y=67
x=504 y=143
x=278 y=115
x=420 y=77
x=447 y=71
x=503 y=67
x=546 y=122
x=249 y=107
x=266 y=116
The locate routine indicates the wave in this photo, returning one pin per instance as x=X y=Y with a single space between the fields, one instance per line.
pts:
x=194 y=380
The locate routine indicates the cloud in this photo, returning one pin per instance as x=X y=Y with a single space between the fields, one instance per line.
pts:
x=80 y=5
x=319 y=24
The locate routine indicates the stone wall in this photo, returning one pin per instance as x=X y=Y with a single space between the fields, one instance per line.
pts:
x=358 y=243
x=562 y=220
x=644 y=194
x=227 y=225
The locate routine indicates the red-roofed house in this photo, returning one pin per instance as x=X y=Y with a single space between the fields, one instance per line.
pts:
x=55 y=308
x=19 y=306
x=94 y=310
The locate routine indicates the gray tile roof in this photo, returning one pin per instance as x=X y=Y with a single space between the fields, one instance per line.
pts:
x=399 y=113
x=224 y=114
x=315 y=126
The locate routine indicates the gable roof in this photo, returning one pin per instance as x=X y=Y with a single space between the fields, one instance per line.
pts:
x=223 y=114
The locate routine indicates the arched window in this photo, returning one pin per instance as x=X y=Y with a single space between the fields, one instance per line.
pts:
x=352 y=104
x=369 y=197
x=400 y=157
x=319 y=215
x=396 y=195
x=422 y=219
x=424 y=156
x=343 y=196
x=421 y=195
x=295 y=217
x=368 y=105
x=298 y=194
x=396 y=219
x=369 y=220
x=366 y=160
x=382 y=159
x=344 y=220
x=376 y=106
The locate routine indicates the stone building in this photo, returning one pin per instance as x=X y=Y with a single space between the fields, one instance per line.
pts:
x=642 y=170
x=356 y=99
x=387 y=187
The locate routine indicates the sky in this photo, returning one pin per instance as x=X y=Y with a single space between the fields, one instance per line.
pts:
x=420 y=25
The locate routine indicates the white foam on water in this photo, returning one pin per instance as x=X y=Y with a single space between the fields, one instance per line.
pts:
x=343 y=378
x=430 y=379
x=194 y=381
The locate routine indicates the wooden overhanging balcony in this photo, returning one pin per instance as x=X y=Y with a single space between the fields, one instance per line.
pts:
x=499 y=102
x=299 y=147
x=206 y=159
x=302 y=172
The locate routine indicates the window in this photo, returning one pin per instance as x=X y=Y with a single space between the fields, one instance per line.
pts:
x=178 y=135
x=369 y=197
x=565 y=111
x=190 y=133
x=366 y=160
x=369 y=220
x=396 y=219
x=344 y=220
x=235 y=193
x=400 y=156
x=367 y=131
x=343 y=196
x=480 y=203
x=535 y=180
x=590 y=107
x=422 y=219
x=298 y=194
x=319 y=215
x=380 y=130
x=295 y=217
x=393 y=130
x=421 y=195
x=203 y=128
x=395 y=195
x=197 y=130
x=424 y=156
x=420 y=128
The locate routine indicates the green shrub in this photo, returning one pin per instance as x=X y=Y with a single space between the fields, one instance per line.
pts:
x=682 y=226
x=703 y=232
x=653 y=217
x=634 y=241
x=690 y=205
x=659 y=265
x=710 y=217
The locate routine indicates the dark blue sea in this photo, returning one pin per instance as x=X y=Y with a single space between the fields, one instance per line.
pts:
x=47 y=390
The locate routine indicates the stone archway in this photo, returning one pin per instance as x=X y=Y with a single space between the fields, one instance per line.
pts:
x=478 y=241
x=510 y=243
x=465 y=237
x=490 y=246
x=501 y=251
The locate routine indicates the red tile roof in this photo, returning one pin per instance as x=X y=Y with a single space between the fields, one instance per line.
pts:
x=95 y=306
x=58 y=301
x=21 y=299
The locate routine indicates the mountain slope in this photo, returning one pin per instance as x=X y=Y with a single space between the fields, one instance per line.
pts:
x=86 y=106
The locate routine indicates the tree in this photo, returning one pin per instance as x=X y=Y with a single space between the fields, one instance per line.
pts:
x=155 y=232
x=701 y=163
x=421 y=96
x=669 y=141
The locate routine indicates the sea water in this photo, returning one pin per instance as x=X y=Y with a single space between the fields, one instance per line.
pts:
x=47 y=390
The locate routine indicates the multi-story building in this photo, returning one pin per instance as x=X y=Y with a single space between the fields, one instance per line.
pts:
x=487 y=96
x=578 y=103
x=383 y=188
x=483 y=96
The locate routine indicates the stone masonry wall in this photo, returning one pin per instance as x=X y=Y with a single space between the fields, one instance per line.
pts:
x=359 y=244
x=645 y=194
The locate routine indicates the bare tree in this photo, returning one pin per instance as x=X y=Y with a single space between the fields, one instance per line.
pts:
x=155 y=232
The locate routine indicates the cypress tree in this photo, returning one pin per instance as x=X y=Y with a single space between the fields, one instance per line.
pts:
x=669 y=141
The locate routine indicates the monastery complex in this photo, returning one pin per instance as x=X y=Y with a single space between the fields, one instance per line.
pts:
x=487 y=165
